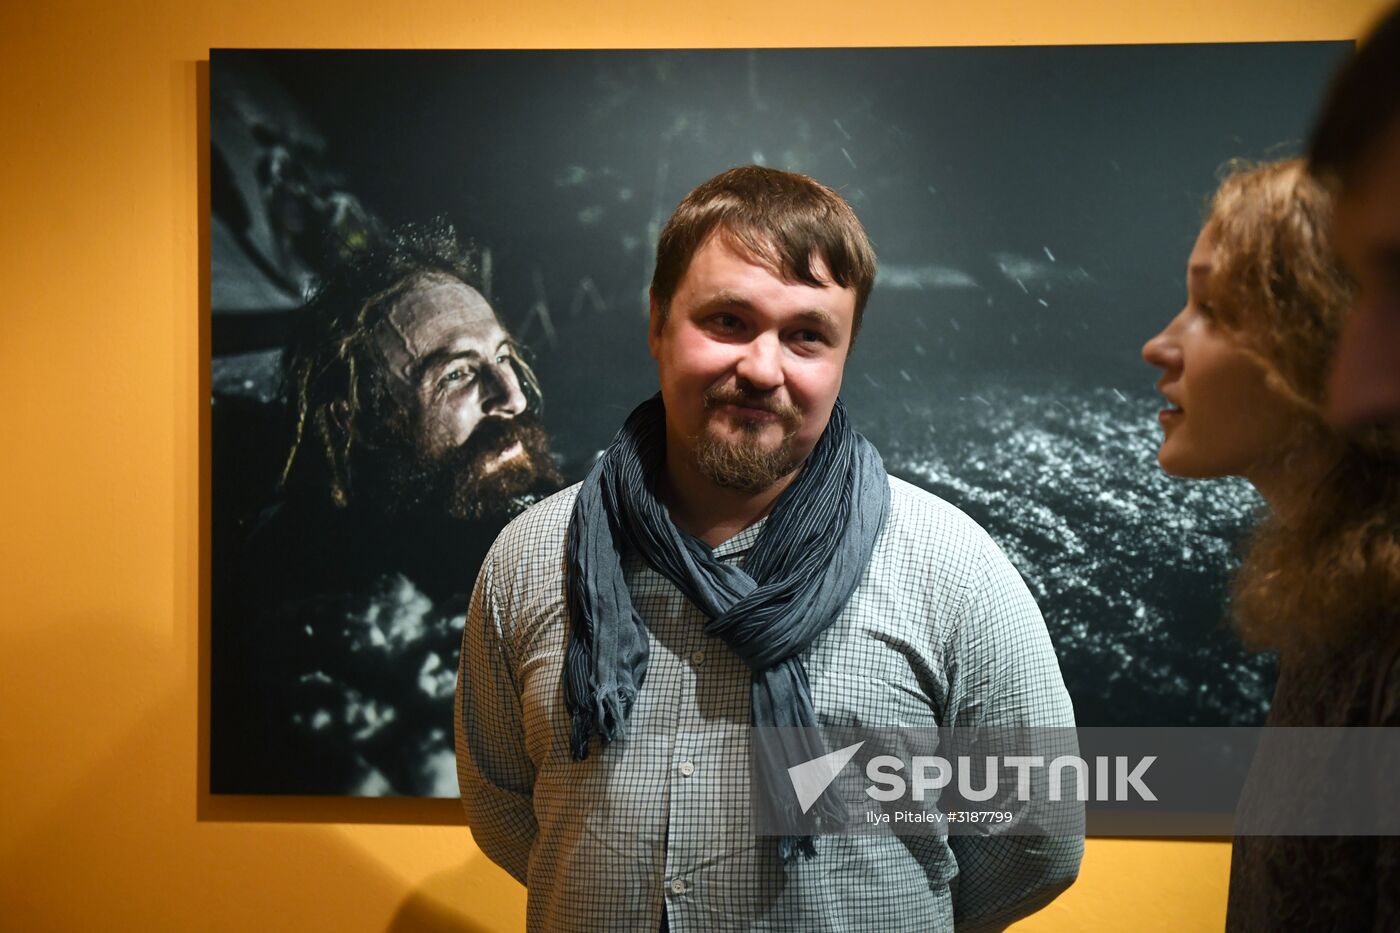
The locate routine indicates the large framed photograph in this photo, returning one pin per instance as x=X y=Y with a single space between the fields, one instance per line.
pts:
x=1032 y=210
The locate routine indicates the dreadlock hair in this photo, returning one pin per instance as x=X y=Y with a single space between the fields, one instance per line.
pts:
x=330 y=379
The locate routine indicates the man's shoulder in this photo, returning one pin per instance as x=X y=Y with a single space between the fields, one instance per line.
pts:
x=540 y=527
x=929 y=541
x=921 y=520
x=526 y=562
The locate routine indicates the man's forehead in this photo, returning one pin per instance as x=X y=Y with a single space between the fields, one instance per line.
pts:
x=1377 y=165
x=725 y=281
x=1372 y=190
x=436 y=314
x=434 y=311
x=761 y=249
x=436 y=300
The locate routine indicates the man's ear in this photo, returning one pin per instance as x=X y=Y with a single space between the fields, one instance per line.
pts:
x=655 y=321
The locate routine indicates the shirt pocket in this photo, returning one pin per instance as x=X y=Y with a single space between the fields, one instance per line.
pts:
x=850 y=700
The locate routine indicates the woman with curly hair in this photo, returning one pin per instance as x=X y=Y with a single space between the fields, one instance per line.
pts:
x=1244 y=368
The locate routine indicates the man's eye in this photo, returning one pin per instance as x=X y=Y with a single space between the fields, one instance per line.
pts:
x=725 y=322
x=810 y=336
x=458 y=376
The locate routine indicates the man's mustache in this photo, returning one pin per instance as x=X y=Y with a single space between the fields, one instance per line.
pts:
x=494 y=435
x=788 y=414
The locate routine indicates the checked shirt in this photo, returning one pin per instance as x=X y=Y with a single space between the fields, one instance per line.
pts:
x=940 y=631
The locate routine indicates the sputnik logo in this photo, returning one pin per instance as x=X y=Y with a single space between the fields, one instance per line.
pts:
x=811 y=778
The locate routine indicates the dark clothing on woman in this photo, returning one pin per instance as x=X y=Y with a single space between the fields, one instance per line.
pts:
x=1327 y=883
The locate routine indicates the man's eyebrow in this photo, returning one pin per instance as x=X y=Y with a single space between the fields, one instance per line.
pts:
x=727 y=299
x=442 y=357
x=818 y=316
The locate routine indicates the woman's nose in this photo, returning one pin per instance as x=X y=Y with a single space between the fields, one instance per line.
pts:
x=1163 y=351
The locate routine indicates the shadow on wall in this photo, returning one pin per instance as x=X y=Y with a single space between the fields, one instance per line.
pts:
x=430 y=908
x=120 y=847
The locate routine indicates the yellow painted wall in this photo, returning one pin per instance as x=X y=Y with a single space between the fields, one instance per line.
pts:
x=101 y=823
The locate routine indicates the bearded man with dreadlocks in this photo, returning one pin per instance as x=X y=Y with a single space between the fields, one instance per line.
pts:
x=414 y=438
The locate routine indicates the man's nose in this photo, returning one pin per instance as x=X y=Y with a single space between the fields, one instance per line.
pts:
x=761 y=363
x=501 y=395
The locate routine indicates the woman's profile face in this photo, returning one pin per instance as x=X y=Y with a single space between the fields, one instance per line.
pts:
x=1222 y=417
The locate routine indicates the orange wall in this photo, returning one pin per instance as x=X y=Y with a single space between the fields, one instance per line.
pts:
x=101 y=825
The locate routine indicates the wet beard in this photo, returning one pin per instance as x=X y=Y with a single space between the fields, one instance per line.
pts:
x=744 y=464
x=467 y=483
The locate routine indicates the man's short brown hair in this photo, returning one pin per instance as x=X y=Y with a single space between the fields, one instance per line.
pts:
x=780 y=219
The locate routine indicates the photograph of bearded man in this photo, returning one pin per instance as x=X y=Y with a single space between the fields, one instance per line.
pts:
x=414 y=437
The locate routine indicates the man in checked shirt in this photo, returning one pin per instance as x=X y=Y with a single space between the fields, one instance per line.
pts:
x=739 y=556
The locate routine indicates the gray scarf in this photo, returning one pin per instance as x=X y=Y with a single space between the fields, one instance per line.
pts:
x=803 y=567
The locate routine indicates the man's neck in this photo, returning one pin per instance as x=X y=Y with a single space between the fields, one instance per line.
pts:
x=710 y=512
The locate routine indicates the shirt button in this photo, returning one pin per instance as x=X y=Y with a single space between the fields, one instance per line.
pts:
x=697 y=657
x=687 y=768
x=678 y=886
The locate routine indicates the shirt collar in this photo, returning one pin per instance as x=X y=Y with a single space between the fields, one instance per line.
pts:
x=741 y=542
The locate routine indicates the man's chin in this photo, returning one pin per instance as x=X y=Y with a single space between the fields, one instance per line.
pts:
x=747 y=463
x=766 y=436
x=503 y=484
x=497 y=477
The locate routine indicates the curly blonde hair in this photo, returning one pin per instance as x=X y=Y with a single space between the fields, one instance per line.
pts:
x=1324 y=565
